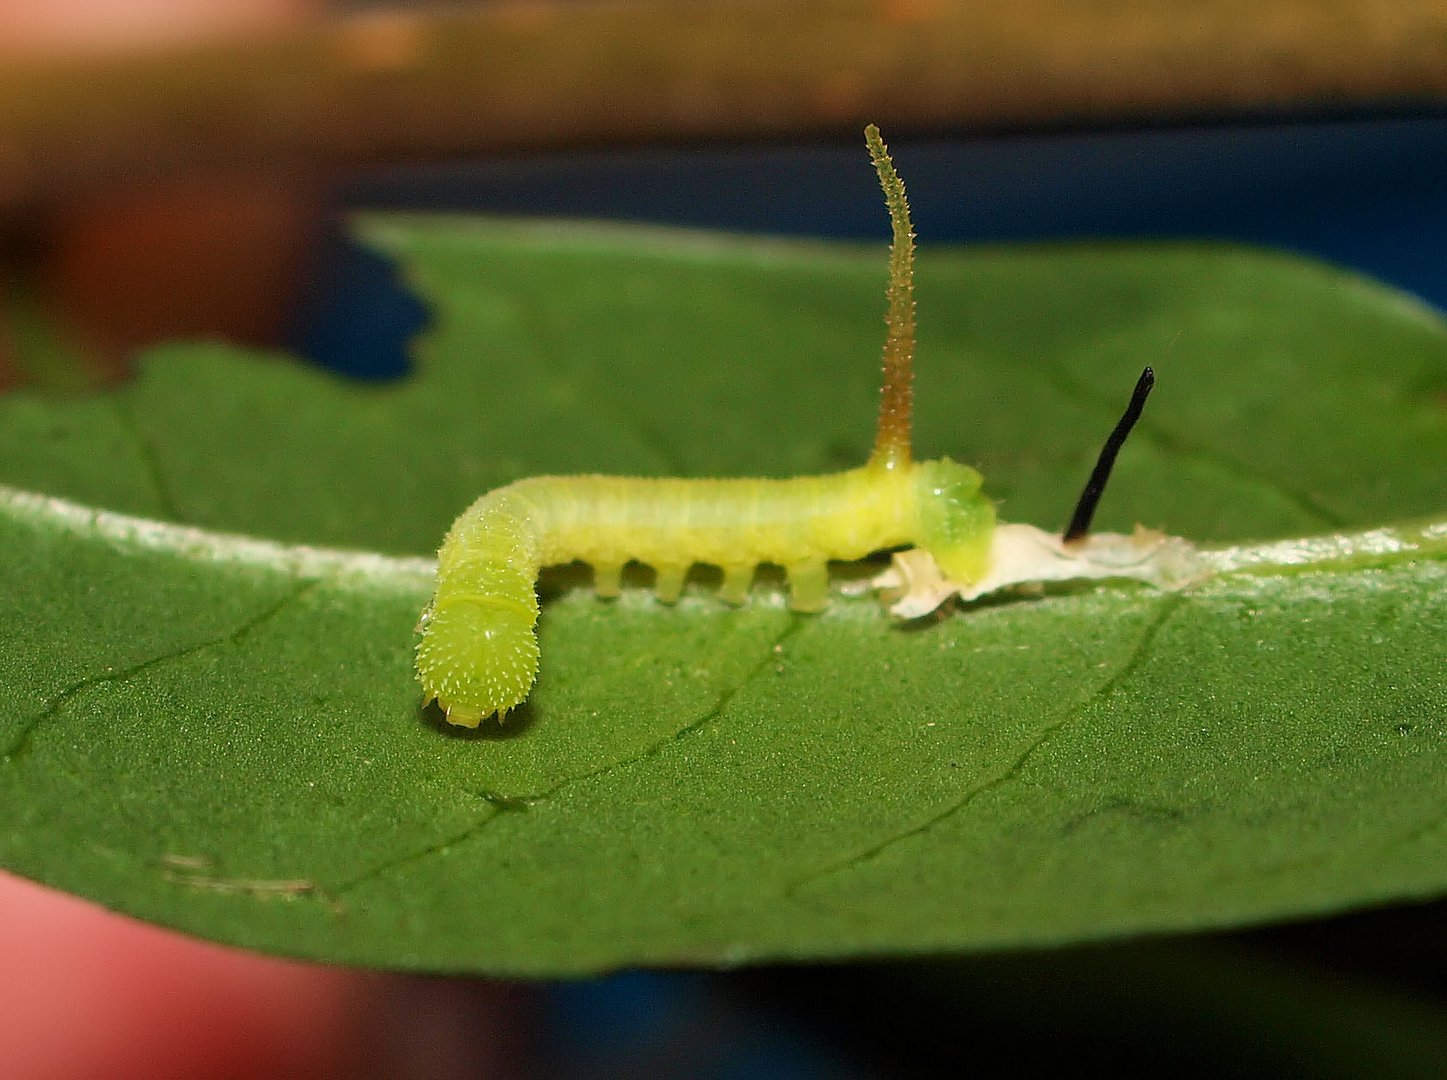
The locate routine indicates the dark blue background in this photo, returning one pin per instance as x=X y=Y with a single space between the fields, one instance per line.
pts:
x=1370 y=194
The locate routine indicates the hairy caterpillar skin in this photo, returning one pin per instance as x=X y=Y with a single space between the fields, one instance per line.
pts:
x=478 y=653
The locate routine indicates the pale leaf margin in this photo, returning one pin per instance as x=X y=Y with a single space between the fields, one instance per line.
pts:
x=370 y=571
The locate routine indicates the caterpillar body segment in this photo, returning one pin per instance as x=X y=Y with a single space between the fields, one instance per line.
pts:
x=479 y=654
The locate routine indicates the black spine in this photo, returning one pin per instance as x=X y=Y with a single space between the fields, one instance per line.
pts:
x=1095 y=486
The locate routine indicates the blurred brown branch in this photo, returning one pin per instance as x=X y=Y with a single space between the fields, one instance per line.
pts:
x=396 y=86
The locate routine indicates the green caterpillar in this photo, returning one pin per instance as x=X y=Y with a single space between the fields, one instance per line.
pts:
x=478 y=653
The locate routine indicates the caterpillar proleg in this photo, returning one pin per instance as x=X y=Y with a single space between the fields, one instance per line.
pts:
x=478 y=653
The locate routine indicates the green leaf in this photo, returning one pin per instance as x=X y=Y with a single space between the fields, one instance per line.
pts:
x=41 y=345
x=223 y=734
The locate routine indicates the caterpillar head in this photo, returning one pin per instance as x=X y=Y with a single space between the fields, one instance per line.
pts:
x=478 y=654
x=956 y=520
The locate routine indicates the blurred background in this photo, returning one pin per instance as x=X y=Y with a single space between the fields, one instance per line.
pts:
x=184 y=168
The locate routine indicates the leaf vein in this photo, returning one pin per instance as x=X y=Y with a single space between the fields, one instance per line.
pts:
x=504 y=804
x=20 y=745
x=1168 y=606
x=150 y=461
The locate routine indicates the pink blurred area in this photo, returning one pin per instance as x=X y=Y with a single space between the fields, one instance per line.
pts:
x=94 y=27
x=87 y=993
x=83 y=992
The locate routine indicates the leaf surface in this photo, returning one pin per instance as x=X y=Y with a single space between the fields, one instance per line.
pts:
x=223 y=734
